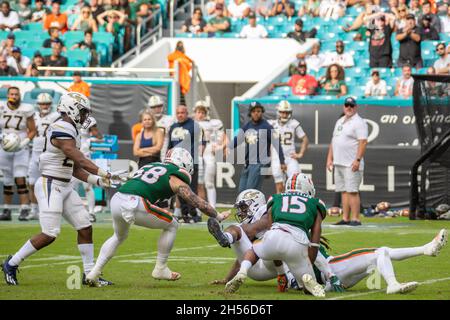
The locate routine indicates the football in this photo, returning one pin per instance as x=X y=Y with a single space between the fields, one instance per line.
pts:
x=334 y=211
x=383 y=206
x=10 y=142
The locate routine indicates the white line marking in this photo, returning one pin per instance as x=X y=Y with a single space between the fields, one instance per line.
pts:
x=383 y=290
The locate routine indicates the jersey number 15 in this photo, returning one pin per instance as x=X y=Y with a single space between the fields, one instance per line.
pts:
x=294 y=204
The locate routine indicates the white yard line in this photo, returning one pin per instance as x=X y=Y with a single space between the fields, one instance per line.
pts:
x=383 y=290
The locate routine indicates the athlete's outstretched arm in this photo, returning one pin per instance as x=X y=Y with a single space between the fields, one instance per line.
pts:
x=316 y=232
x=183 y=190
x=252 y=229
x=233 y=271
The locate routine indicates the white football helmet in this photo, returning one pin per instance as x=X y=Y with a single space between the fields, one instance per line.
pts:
x=44 y=99
x=155 y=101
x=284 y=106
x=299 y=182
x=76 y=106
x=248 y=203
x=181 y=158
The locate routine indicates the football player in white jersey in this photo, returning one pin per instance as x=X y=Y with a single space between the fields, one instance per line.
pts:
x=16 y=117
x=43 y=117
x=216 y=140
x=87 y=133
x=61 y=159
x=288 y=129
x=163 y=121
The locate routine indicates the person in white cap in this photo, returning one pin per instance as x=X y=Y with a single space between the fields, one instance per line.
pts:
x=163 y=121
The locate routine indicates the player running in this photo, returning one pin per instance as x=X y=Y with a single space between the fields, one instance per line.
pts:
x=61 y=159
x=293 y=215
x=215 y=140
x=42 y=118
x=16 y=117
x=353 y=266
x=288 y=129
x=87 y=133
x=135 y=203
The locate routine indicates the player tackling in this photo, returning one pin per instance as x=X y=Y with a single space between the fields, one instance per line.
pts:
x=61 y=159
x=135 y=203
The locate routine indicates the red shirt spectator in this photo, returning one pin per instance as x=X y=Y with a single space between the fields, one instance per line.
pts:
x=302 y=84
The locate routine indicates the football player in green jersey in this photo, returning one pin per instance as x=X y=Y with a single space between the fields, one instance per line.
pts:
x=293 y=215
x=134 y=203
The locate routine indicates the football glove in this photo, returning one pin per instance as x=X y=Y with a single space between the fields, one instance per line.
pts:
x=23 y=143
x=336 y=284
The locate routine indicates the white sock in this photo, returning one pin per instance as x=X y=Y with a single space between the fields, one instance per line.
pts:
x=385 y=267
x=23 y=253
x=34 y=208
x=6 y=206
x=87 y=255
x=107 y=251
x=245 y=266
x=165 y=244
x=24 y=206
x=177 y=212
x=405 y=253
x=212 y=196
x=90 y=197
x=229 y=237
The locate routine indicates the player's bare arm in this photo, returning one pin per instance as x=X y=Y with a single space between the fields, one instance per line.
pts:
x=316 y=232
x=31 y=126
x=233 y=271
x=253 y=229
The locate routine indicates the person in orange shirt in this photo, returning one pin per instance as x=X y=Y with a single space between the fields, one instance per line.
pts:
x=56 y=18
x=137 y=127
x=184 y=64
x=79 y=85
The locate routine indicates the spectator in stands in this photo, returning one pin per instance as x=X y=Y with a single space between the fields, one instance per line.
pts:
x=219 y=23
x=54 y=37
x=346 y=156
x=253 y=30
x=55 y=60
x=87 y=43
x=405 y=84
x=112 y=20
x=344 y=59
x=39 y=11
x=9 y=20
x=143 y=13
x=442 y=65
x=426 y=11
x=437 y=89
x=315 y=59
x=7 y=45
x=409 y=39
x=85 y=21
x=414 y=7
x=426 y=30
x=299 y=35
x=184 y=65
x=18 y=61
x=127 y=26
x=302 y=84
x=311 y=8
x=23 y=9
x=211 y=8
x=445 y=22
x=333 y=83
x=96 y=9
x=6 y=70
x=402 y=13
x=76 y=8
x=380 y=46
x=361 y=24
x=263 y=7
x=285 y=7
x=79 y=85
x=196 y=24
x=238 y=9
x=32 y=70
x=149 y=142
x=375 y=87
x=56 y=18
x=332 y=9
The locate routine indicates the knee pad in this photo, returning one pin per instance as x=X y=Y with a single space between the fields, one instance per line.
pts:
x=8 y=190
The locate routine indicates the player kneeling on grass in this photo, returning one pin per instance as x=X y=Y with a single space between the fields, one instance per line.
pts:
x=60 y=160
x=293 y=215
x=357 y=264
x=134 y=203
x=253 y=223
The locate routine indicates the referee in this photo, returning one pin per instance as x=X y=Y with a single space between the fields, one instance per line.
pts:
x=258 y=136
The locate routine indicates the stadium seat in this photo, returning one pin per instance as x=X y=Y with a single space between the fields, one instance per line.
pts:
x=3 y=93
x=35 y=26
x=35 y=92
x=73 y=36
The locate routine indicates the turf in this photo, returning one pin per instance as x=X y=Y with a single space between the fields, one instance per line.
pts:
x=200 y=260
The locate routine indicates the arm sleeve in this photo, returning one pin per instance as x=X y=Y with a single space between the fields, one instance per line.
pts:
x=362 y=130
x=170 y=145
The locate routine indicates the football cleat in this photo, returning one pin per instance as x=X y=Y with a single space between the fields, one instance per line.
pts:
x=6 y=215
x=434 y=247
x=215 y=229
x=10 y=272
x=100 y=282
x=312 y=286
x=34 y=215
x=24 y=213
x=92 y=217
x=292 y=282
x=233 y=285
x=282 y=283
x=165 y=274
x=336 y=284
x=402 y=287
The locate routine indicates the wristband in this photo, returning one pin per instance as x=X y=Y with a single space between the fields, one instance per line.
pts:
x=91 y=179
x=102 y=173
x=312 y=244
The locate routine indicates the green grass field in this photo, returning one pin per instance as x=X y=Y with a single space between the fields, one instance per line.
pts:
x=200 y=260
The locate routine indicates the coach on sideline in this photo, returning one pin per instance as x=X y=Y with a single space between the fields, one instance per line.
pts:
x=346 y=154
x=258 y=136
